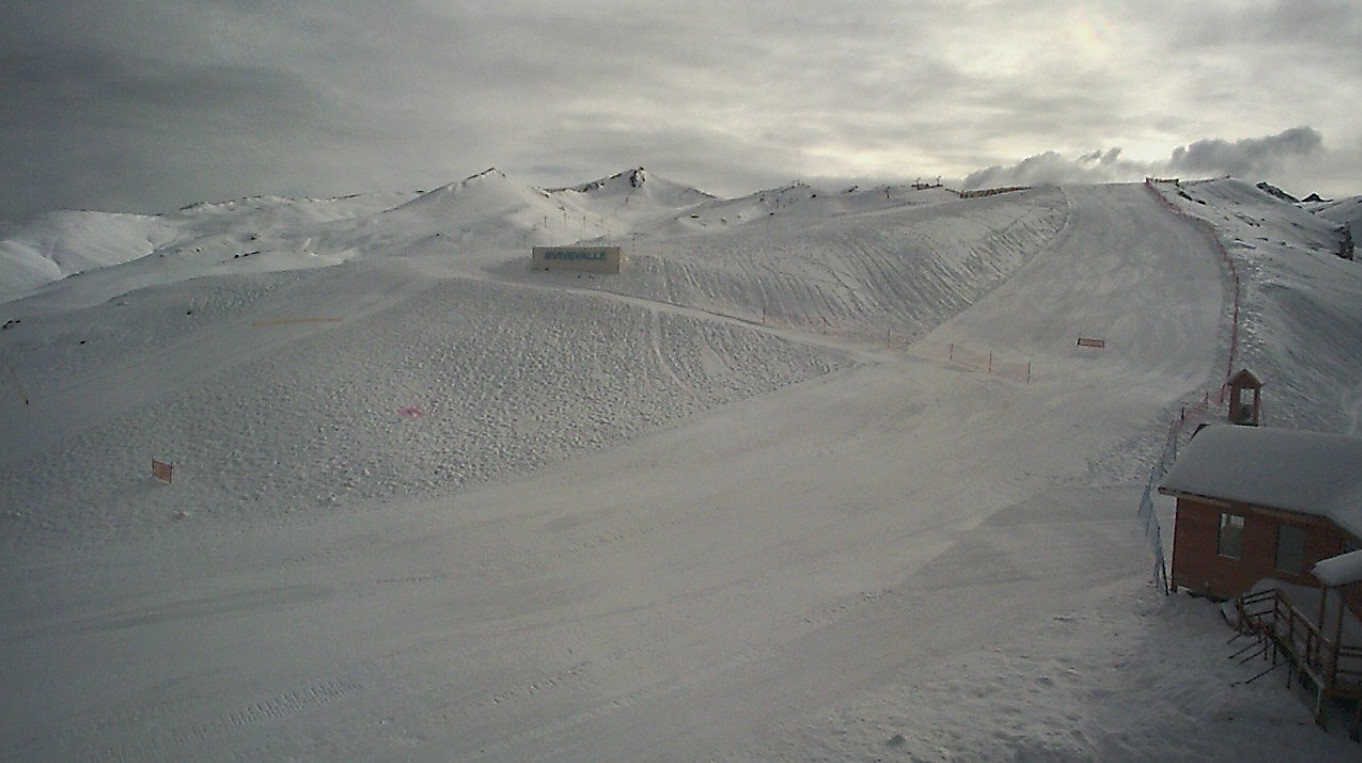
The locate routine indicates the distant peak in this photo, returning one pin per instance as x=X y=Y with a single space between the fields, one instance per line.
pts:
x=1273 y=190
x=635 y=177
x=490 y=171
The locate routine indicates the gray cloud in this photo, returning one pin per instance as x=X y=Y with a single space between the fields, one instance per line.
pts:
x=145 y=105
x=114 y=129
x=1249 y=158
x=1051 y=168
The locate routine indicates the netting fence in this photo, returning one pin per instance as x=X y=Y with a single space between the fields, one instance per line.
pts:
x=1202 y=411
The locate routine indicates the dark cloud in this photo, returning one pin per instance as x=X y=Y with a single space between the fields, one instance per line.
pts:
x=144 y=105
x=123 y=131
x=1247 y=158
x=1051 y=168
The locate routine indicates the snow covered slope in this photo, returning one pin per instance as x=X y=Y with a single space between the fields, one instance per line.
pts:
x=752 y=499
x=486 y=212
x=258 y=234
x=207 y=372
x=62 y=244
x=1301 y=330
x=846 y=264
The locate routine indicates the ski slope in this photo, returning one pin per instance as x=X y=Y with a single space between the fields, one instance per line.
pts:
x=742 y=502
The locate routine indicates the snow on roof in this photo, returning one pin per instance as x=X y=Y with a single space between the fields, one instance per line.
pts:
x=1340 y=570
x=1306 y=472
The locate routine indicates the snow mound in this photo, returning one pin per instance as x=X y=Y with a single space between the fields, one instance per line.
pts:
x=66 y=243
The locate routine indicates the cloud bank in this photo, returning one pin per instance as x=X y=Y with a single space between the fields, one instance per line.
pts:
x=147 y=105
x=1248 y=158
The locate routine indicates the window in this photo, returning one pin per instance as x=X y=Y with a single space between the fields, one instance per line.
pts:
x=1290 y=549
x=1230 y=543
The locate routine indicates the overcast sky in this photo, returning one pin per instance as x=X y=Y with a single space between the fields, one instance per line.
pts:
x=148 y=105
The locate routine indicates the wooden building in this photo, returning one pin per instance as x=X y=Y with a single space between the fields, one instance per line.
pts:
x=1246 y=398
x=1260 y=502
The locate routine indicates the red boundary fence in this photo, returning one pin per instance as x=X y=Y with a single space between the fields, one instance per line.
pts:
x=1153 y=532
x=1199 y=412
x=953 y=353
x=986 y=361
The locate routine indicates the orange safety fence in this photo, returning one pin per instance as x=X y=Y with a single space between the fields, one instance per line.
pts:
x=980 y=360
x=953 y=353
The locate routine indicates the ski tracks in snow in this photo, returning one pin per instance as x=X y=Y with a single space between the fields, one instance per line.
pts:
x=630 y=578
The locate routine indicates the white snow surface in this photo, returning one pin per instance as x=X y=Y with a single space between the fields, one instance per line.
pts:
x=823 y=475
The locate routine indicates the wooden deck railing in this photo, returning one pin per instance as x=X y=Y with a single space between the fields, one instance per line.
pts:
x=1271 y=613
x=1335 y=668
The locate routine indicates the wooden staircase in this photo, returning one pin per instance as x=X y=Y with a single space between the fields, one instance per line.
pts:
x=1280 y=629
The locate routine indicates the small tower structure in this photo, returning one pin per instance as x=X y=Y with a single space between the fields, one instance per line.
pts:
x=1246 y=401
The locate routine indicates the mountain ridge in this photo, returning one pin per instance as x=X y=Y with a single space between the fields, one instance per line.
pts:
x=489 y=207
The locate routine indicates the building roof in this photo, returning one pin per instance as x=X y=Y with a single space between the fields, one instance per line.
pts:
x=1341 y=570
x=1244 y=378
x=1306 y=472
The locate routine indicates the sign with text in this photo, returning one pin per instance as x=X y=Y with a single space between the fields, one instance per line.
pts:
x=590 y=259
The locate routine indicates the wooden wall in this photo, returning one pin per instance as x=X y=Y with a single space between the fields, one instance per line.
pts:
x=1198 y=566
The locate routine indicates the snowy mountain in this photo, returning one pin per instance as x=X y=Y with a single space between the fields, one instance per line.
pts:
x=1342 y=212
x=62 y=244
x=823 y=474
x=635 y=195
x=486 y=209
